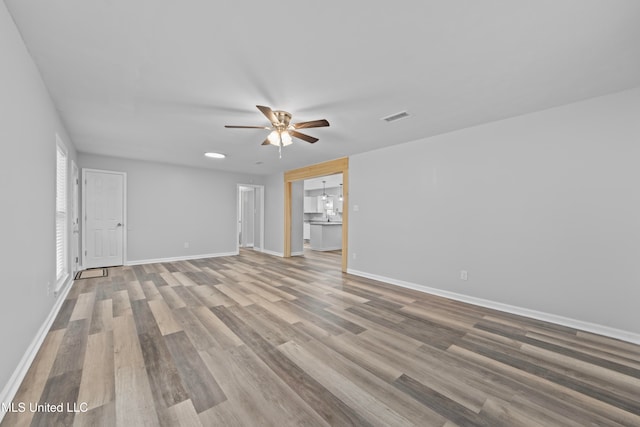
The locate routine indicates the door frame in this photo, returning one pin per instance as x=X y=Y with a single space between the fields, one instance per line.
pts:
x=314 y=171
x=258 y=189
x=124 y=213
x=75 y=220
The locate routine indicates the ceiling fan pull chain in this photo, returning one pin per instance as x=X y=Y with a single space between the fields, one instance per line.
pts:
x=280 y=149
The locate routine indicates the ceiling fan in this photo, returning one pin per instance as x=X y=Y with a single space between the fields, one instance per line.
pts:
x=282 y=130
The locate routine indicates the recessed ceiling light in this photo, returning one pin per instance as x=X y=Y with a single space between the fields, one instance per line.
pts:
x=215 y=155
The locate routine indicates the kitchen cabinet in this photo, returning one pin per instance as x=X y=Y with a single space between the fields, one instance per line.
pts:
x=310 y=204
x=313 y=204
x=306 y=231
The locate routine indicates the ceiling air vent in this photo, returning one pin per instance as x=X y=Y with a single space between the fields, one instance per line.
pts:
x=396 y=116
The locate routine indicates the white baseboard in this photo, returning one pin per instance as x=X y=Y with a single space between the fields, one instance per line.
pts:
x=268 y=252
x=258 y=249
x=521 y=311
x=327 y=249
x=11 y=388
x=280 y=254
x=179 y=258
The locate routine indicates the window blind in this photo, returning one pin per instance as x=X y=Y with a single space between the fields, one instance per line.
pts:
x=61 y=213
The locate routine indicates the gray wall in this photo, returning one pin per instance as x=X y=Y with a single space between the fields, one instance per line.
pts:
x=273 y=214
x=169 y=205
x=28 y=124
x=297 y=216
x=543 y=210
x=274 y=211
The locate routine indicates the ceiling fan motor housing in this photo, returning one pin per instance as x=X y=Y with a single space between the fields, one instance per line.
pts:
x=284 y=118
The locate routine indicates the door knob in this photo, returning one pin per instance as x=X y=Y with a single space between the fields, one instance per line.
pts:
x=118 y=225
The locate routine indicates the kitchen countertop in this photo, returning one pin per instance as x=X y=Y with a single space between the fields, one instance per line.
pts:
x=325 y=223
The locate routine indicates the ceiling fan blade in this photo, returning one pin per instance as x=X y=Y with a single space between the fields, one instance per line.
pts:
x=266 y=142
x=311 y=124
x=303 y=136
x=246 y=127
x=268 y=113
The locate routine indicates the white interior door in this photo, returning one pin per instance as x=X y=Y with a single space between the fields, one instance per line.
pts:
x=104 y=228
x=247 y=214
x=251 y=216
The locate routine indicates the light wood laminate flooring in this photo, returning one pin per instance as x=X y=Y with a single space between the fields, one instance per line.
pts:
x=256 y=340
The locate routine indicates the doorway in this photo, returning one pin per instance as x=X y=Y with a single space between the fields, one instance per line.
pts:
x=250 y=217
x=322 y=215
x=104 y=212
x=314 y=171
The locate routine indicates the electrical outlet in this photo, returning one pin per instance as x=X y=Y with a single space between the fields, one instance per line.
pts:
x=463 y=275
x=355 y=255
x=186 y=245
x=48 y=288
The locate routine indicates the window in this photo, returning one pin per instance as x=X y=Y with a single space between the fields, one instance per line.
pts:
x=61 y=214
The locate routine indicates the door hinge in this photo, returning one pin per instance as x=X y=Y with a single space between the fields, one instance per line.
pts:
x=85 y=253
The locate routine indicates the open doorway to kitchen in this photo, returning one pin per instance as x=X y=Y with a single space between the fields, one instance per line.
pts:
x=292 y=181
x=250 y=217
x=322 y=214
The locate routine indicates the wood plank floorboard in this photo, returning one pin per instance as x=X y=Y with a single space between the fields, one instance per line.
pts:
x=257 y=340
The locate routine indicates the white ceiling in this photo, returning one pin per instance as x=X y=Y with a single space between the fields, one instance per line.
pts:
x=158 y=80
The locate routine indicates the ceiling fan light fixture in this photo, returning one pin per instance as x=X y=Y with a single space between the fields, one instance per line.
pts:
x=274 y=138
x=286 y=138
